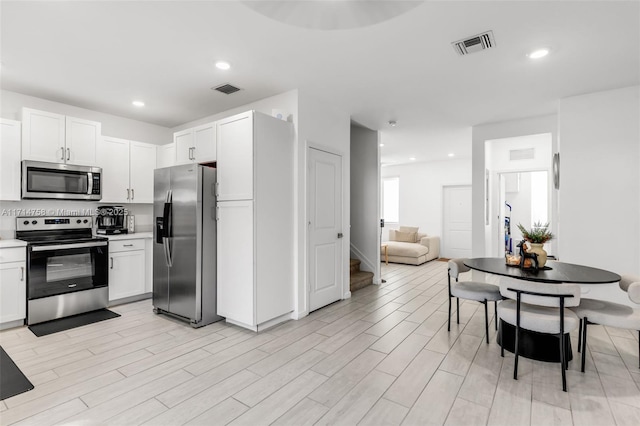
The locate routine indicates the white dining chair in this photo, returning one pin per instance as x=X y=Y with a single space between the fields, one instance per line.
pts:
x=541 y=308
x=470 y=290
x=592 y=311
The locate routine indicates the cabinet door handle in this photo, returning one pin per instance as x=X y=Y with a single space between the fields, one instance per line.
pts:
x=217 y=189
x=62 y=153
x=22 y=273
x=111 y=258
x=217 y=213
x=68 y=154
x=128 y=194
x=193 y=152
x=133 y=194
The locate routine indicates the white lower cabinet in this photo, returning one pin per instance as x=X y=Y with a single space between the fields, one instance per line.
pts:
x=13 y=284
x=236 y=292
x=127 y=269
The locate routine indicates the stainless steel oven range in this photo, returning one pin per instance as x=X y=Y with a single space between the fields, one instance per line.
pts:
x=67 y=267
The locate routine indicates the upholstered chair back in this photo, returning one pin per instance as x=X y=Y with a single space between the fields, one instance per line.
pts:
x=456 y=267
x=631 y=284
x=547 y=289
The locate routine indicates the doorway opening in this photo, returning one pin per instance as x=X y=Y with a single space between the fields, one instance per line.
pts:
x=518 y=191
x=524 y=199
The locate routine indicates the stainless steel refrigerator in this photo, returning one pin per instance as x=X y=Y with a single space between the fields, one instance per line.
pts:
x=184 y=248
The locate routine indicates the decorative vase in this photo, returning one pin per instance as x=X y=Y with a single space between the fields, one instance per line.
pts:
x=542 y=255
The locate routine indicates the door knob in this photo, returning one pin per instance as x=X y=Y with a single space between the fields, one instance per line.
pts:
x=340 y=235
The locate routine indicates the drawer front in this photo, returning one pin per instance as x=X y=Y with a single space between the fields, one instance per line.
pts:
x=126 y=245
x=16 y=254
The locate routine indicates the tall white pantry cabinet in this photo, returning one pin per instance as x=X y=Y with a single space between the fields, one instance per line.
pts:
x=255 y=213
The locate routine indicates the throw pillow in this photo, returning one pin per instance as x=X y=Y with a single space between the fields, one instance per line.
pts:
x=409 y=229
x=406 y=237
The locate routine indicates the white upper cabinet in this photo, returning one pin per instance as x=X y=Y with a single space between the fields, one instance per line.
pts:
x=56 y=138
x=184 y=146
x=43 y=136
x=205 y=143
x=127 y=170
x=166 y=155
x=235 y=157
x=10 y=160
x=81 y=138
x=142 y=157
x=113 y=154
x=196 y=145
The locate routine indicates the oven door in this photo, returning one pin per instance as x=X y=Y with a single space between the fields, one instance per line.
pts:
x=67 y=268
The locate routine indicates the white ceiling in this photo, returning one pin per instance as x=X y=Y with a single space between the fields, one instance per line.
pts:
x=102 y=55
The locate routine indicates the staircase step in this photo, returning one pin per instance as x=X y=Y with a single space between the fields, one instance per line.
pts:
x=354 y=265
x=360 y=279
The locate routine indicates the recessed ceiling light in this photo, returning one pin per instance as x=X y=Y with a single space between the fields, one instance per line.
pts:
x=222 y=65
x=381 y=144
x=451 y=154
x=540 y=53
x=392 y=123
x=139 y=104
x=412 y=158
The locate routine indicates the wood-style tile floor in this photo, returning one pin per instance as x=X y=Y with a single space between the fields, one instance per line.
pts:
x=382 y=357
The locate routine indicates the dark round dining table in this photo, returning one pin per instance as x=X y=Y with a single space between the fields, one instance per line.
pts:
x=554 y=272
x=540 y=346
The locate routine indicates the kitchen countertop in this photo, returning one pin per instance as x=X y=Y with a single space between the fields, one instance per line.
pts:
x=134 y=236
x=16 y=243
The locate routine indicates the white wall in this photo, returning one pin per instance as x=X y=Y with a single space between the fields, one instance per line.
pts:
x=112 y=125
x=508 y=129
x=600 y=180
x=325 y=127
x=421 y=193
x=365 y=202
x=287 y=101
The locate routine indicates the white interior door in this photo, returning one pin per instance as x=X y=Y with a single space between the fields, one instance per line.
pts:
x=456 y=241
x=325 y=228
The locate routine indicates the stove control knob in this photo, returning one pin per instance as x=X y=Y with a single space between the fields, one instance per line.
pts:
x=78 y=221
x=34 y=222
x=85 y=221
x=26 y=222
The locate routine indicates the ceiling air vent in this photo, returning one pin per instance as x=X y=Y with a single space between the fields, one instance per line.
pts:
x=474 y=43
x=227 y=89
x=521 y=154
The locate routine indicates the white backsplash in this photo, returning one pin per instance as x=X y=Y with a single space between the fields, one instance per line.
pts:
x=9 y=210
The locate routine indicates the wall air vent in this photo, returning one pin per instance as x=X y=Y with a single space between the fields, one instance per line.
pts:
x=226 y=88
x=475 y=43
x=521 y=154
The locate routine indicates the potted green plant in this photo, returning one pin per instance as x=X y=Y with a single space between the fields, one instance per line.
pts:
x=537 y=236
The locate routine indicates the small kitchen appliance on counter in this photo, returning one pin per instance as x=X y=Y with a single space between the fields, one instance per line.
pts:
x=111 y=220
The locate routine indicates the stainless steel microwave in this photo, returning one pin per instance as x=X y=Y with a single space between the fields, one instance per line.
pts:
x=60 y=181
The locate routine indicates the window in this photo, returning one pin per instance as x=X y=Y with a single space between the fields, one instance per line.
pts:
x=391 y=199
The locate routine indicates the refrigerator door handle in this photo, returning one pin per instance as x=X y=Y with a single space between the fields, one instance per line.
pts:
x=167 y=252
x=166 y=228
